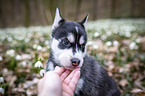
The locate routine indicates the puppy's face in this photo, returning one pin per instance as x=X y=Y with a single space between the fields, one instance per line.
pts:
x=68 y=44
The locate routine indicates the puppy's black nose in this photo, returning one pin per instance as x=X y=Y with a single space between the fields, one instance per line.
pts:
x=75 y=62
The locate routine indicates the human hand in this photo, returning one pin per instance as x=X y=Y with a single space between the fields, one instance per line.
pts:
x=59 y=82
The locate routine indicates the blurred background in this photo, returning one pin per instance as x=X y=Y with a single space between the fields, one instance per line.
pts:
x=116 y=38
x=15 y=13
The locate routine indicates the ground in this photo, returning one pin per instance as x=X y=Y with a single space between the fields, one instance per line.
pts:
x=118 y=44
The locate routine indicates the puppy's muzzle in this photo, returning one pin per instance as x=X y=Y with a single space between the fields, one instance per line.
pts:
x=75 y=62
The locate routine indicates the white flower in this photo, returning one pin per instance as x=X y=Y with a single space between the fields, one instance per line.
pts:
x=23 y=63
x=1 y=90
x=133 y=45
x=42 y=72
x=138 y=39
x=96 y=34
x=109 y=43
x=2 y=38
x=10 y=39
x=20 y=37
x=90 y=43
x=115 y=43
x=18 y=57
x=29 y=35
x=95 y=46
x=39 y=48
x=103 y=37
x=10 y=52
x=127 y=34
x=46 y=42
x=1 y=79
x=109 y=33
x=1 y=58
x=34 y=46
x=27 y=40
x=26 y=56
x=38 y=64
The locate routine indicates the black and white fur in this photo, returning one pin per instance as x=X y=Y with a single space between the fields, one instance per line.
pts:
x=68 y=42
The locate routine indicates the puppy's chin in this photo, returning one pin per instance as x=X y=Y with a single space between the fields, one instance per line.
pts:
x=70 y=67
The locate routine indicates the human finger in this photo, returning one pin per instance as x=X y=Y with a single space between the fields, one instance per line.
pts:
x=74 y=80
x=59 y=70
x=65 y=74
x=70 y=76
x=67 y=91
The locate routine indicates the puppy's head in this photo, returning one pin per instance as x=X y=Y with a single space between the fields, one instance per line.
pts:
x=69 y=40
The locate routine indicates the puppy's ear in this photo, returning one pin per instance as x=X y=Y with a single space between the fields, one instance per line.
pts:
x=84 y=21
x=57 y=20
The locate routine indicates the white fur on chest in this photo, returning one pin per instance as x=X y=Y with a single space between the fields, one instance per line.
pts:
x=50 y=66
x=79 y=85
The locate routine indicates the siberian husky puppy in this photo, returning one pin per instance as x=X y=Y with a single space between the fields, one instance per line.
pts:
x=68 y=49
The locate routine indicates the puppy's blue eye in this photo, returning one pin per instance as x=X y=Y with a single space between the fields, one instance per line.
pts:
x=82 y=46
x=66 y=42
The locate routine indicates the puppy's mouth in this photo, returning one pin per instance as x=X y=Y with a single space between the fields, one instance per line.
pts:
x=71 y=67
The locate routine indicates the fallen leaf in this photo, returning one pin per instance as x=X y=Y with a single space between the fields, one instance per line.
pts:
x=13 y=79
x=138 y=91
x=123 y=82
